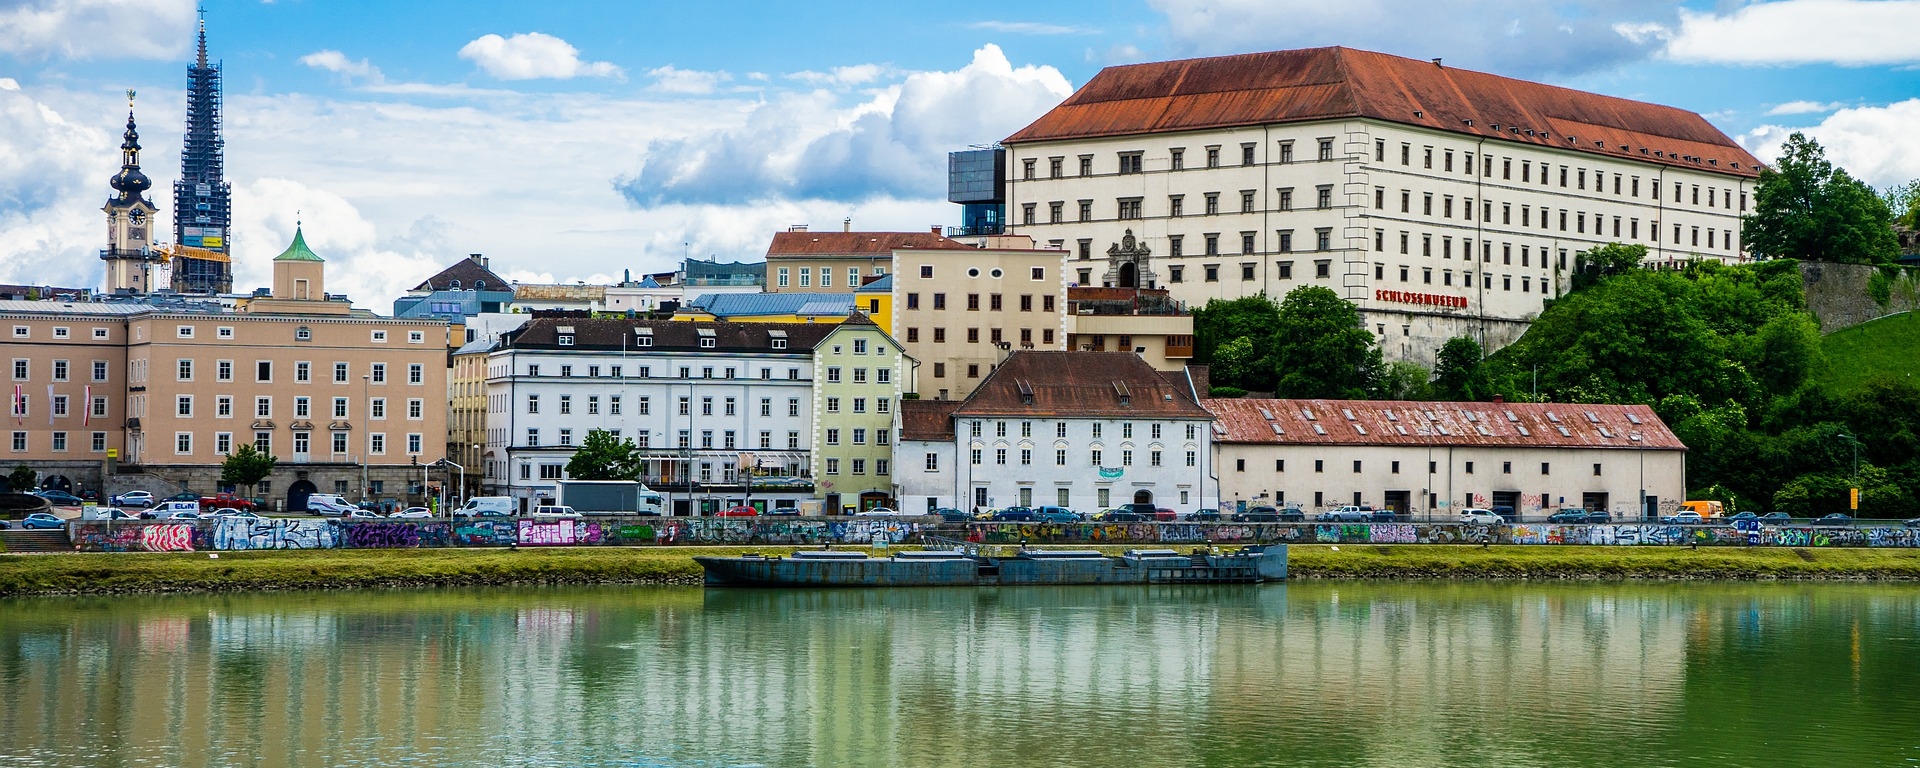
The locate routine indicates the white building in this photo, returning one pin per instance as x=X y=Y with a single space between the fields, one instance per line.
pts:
x=1444 y=202
x=1082 y=430
x=722 y=411
x=1423 y=458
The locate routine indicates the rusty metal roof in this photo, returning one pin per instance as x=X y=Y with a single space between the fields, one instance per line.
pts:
x=1443 y=424
x=927 y=419
x=1336 y=83
x=816 y=244
x=1079 y=385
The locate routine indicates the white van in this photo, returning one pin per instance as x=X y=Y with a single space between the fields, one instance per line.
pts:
x=555 y=512
x=486 y=506
x=166 y=508
x=332 y=504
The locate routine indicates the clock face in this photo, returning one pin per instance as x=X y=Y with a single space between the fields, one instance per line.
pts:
x=139 y=216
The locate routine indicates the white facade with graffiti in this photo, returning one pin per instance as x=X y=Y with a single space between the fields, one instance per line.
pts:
x=1436 y=458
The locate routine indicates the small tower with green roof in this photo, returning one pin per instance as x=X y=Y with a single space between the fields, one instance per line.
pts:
x=298 y=272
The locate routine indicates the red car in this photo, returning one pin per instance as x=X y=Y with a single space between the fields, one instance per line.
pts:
x=741 y=511
x=226 y=501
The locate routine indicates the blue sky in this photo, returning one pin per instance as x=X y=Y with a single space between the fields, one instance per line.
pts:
x=576 y=140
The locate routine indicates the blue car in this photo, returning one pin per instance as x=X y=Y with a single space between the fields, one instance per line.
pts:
x=1055 y=515
x=60 y=498
x=42 y=520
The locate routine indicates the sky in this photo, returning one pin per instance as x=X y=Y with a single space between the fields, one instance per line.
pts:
x=580 y=140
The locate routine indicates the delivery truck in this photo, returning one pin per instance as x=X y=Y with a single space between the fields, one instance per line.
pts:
x=610 y=497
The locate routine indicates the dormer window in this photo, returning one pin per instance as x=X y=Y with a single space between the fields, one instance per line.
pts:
x=453 y=285
x=778 y=339
x=303 y=334
x=643 y=337
x=707 y=338
x=566 y=339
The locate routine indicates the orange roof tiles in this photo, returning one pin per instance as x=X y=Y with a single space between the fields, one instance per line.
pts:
x=1335 y=83
x=1439 y=424
x=814 y=244
x=1079 y=385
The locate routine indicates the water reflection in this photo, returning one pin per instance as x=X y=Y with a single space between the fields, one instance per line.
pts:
x=1301 y=674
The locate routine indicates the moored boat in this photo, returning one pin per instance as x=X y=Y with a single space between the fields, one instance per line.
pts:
x=965 y=566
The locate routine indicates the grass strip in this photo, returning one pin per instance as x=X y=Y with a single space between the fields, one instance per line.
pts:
x=100 y=573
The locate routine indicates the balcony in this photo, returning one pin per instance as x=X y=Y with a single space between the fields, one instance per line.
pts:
x=1122 y=301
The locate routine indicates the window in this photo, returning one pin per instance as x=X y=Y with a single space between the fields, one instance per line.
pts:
x=1213 y=157
x=302 y=372
x=1130 y=162
x=183 y=406
x=1213 y=203
x=263 y=407
x=1545 y=468
x=99 y=370
x=263 y=371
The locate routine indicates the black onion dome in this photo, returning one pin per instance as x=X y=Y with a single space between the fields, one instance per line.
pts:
x=130 y=180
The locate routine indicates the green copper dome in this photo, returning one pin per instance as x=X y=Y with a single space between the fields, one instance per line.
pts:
x=298 y=251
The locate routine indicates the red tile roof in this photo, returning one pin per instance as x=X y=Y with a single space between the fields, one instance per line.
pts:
x=817 y=244
x=1396 y=422
x=1080 y=385
x=1337 y=83
x=927 y=419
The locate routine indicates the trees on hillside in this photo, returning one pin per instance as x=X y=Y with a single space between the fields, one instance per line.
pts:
x=1457 y=372
x=1806 y=208
x=1235 y=338
x=1321 y=349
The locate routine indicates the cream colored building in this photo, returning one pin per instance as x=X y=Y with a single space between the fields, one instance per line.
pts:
x=860 y=377
x=467 y=410
x=962 y=312
x=166 y=391
x=1456 y=212
x=1435 y=458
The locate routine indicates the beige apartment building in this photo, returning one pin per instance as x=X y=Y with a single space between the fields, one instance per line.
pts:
x=128 y=394
x=840 y=262
x=962 y=312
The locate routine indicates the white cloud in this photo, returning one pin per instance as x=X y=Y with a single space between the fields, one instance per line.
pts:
x=858 y=74
x=338 y=63
x=54 y=166
x=1524 y=38
x=1872 y=143
x=532 y=55
x=810 y=147
x=96 y=29
x=671 y=79
x=1844 y=32
x=1031 y=28
x=1806 y=108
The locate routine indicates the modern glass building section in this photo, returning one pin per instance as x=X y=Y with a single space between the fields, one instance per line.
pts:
x=977 y=180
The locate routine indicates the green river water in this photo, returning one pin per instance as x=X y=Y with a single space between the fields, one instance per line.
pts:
x=1304 y=674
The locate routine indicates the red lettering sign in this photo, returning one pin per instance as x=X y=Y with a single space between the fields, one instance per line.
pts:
x=1428 y=299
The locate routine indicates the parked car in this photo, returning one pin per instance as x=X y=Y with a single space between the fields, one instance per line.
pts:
x=59 y=498
x=116 y=513
x=141 y=499
x=1776 y=517
x=784 y=512
x=1744 y=516
x=1568 y=516
x=560 y=512
x=237 y=514
x=1346 y=514
x=225 y=500
x=1473 y=516
x=1205 y=516
x=412 y=513
x=880 y=512
x=184 y=515
x=738 y=511
x=330 y=504
x=1683 y=517
x=1599 y=516
x=1383 y=516
x=1506 y=513
x=42 y=520
x=1912 y=523
x=1055 y=515
x=356 y=513
x=1014 y=515
x=1835 y=519
x=950 y=515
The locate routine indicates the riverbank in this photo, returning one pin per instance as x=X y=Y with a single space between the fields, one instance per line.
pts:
x=131 y=573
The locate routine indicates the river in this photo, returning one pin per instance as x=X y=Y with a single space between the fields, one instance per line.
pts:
x=1303 y=674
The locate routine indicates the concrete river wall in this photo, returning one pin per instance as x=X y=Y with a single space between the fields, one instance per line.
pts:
x=300 y=533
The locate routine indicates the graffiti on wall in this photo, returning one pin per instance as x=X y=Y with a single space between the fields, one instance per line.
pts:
x=1632 y=534
x=238 y=534
x=483 y=533
x=133 y=537
x=396 y=535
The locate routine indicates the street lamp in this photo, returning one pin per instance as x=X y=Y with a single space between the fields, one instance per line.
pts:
x=366 y=402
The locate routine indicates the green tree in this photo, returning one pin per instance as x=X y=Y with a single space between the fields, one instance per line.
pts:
x=245 y=467
x=1458 y=373
x=1602 y=261
x=1784 y=352
x=1804 y=207
x=602 y=456
x=1236 y=338
x=1321 y=349
x=21 y=479
x=1903 y=201
x=1405 y=380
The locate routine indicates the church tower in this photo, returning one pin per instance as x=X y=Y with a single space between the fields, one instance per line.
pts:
x=129 y=254
x=202 y=261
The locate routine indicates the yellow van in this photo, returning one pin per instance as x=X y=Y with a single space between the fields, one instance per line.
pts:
x=1705 y=508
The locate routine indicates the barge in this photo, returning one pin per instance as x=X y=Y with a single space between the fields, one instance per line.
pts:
x=968 y=567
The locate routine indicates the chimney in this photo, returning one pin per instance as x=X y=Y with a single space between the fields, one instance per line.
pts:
x=797 y=228
x=1499 y=399
x=478 y=258
x=1436 y=62
x=935 y=229
x=846 y=224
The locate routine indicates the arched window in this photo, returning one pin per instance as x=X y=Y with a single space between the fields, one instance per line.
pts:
x=303 y=334
x=453 y=285
x=479 y=285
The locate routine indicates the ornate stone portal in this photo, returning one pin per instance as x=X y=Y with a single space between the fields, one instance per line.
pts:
x=1127 y=265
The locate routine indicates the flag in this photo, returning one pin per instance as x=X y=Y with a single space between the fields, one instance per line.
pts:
x=49 y=405
x=86 y=409
x=19 y=405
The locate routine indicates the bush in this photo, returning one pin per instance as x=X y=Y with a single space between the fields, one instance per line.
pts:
x=1226 y=392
